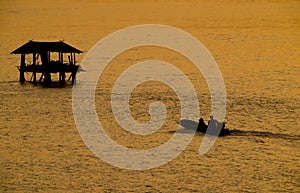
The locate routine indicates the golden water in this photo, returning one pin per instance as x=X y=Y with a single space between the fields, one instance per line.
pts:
x=256 y=45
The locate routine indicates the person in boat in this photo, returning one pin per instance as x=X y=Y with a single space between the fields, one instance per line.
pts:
x=212 y=121
x=216 y=123
x=202 y=127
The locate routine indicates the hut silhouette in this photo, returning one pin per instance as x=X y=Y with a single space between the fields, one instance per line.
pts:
x=42 y=54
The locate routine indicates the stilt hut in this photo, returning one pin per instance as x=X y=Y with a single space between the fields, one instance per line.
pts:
x=47 y=58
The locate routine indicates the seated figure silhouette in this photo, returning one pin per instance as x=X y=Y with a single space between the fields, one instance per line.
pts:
x=214 y=124
x=202 y=127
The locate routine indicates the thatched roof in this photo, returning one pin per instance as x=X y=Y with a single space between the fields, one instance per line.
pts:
x=38 y=47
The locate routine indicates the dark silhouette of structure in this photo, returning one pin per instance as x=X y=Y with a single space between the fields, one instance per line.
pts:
x=42 y=63
x=203 y=127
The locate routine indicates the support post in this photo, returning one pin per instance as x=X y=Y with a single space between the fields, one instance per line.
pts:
x=62 y=72
x=62 y=58
x=73 y=77
x=34 y=67
x=71 y=58
x=46 y=67
x=74 y=69
x=62 y=77
x=74 y=59
x=22 y=68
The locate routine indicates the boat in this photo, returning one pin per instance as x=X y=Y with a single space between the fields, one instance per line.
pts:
x=201 y=127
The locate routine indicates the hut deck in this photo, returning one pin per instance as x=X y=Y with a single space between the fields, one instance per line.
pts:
x=53 y=68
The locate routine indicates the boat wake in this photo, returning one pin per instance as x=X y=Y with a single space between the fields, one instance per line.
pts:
x=190 y=126
x=237 y=132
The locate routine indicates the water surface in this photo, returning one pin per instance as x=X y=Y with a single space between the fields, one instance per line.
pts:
x=256 y=45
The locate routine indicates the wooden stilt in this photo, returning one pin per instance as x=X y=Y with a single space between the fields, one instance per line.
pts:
x=47 y=75
x=74 y=59
x=46 y=70
x=71 y=62
x=63 y=77
x=22 y=68
x=73 y=77
x=34 y=67
x=62 y=74
x=62 y=58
